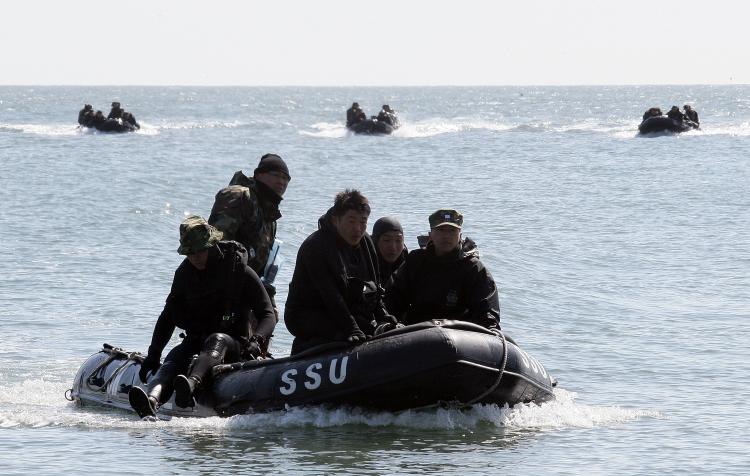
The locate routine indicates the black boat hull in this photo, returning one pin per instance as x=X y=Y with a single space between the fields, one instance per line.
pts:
x=665 y=124
x=371 y=126
x=416 y=366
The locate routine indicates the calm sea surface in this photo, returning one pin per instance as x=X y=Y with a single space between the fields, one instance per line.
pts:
x=623 y=264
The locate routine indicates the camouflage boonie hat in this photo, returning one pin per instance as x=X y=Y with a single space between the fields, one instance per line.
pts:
x=446 y=217
x=197 y=235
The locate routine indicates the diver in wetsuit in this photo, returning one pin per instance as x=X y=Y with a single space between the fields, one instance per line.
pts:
x=652 y=112
x=675 y=114
x=386 y=115
x=116 y=111
x=691 y=113
x=85 y=115
x=214 y=298
x=355 y=115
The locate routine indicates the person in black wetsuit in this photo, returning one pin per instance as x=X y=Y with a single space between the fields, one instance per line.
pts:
x=355 y=115
x=652 y=112
x=116 y=111
x=335 y=293
x=386 y=115
x=130 y=118
x=445 y=280
x=691 y=113
x=213 y=297
x=86 y=115
x=388 y=237
x=675 y=114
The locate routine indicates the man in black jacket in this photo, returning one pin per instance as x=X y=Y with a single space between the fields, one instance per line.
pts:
x=116 y=111
x=213 y=295
x=691 y=113
x=354 y=115
x=445 y=280
x=335 y=293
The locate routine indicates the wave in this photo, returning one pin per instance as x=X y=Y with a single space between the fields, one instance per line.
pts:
x=424 y=128
x=39 y=403
x=67 y=129
x=43 y=129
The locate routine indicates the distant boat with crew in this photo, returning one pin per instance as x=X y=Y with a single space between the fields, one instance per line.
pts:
x=674 y=121
x=384 y=123
x=118 y=119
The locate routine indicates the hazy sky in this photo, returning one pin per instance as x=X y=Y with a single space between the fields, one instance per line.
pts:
x=378 y=42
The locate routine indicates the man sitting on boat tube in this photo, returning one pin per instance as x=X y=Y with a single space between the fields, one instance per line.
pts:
x=213 y=298
x=445 y=280
x=335 y=293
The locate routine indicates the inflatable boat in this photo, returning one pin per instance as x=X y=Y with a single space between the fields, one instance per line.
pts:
x=665 y=124
x=372 y=126
x=112 y=125
x=422 y=365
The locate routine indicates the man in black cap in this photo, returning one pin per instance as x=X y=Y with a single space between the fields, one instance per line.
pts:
x=675 y=114
x=116 y=111
x=354 y=115
x=86 y=115
x=335 y=293
x=387 y=115
x=691 y=113
x=445 y=280
x=247 y=211
x=213 y=296
x=388 y=237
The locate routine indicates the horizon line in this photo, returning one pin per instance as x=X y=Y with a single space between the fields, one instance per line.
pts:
x=190 y=85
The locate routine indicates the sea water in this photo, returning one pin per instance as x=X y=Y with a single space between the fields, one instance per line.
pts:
x=622 y=263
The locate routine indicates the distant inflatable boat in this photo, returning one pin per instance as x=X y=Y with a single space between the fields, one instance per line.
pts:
x=373 y=126
x=421 y=365
x=112 y=125
x=665 y=124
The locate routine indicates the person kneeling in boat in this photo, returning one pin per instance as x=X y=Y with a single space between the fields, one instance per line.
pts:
x=691 y=114
x=652 y=112
x=212 y=298
x=355 y=115
x=130 y=119
x=335 y=293
x=445 y=280
x=86 y=115
x=386 y=115
x=675 y=114
x=388 y=237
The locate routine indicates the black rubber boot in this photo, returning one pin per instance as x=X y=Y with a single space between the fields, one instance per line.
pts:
x=183 y=391
x=144 y=405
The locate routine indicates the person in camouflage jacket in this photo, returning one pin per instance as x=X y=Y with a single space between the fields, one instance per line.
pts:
x=247 y=210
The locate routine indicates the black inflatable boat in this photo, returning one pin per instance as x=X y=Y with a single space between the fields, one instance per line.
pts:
x=112 y=125
x=372 y=126
x=425 y=364
x=665 y=124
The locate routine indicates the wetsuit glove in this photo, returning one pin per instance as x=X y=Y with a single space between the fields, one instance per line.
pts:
x=253 y=347
x=150 y=364
x=387 y=323
x=356 y=335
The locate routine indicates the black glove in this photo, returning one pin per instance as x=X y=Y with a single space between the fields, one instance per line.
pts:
x=149 y=364
x=252 y=348
x=356 y=335
x=387 y=323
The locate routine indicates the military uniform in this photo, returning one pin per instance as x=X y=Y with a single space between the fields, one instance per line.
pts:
x=455 y=285
x=246 y=211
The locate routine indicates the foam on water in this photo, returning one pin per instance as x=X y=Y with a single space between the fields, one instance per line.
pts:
x=43 y=129
x=39 y=402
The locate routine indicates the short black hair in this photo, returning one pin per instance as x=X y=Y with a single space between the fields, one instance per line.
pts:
x=350 y=199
